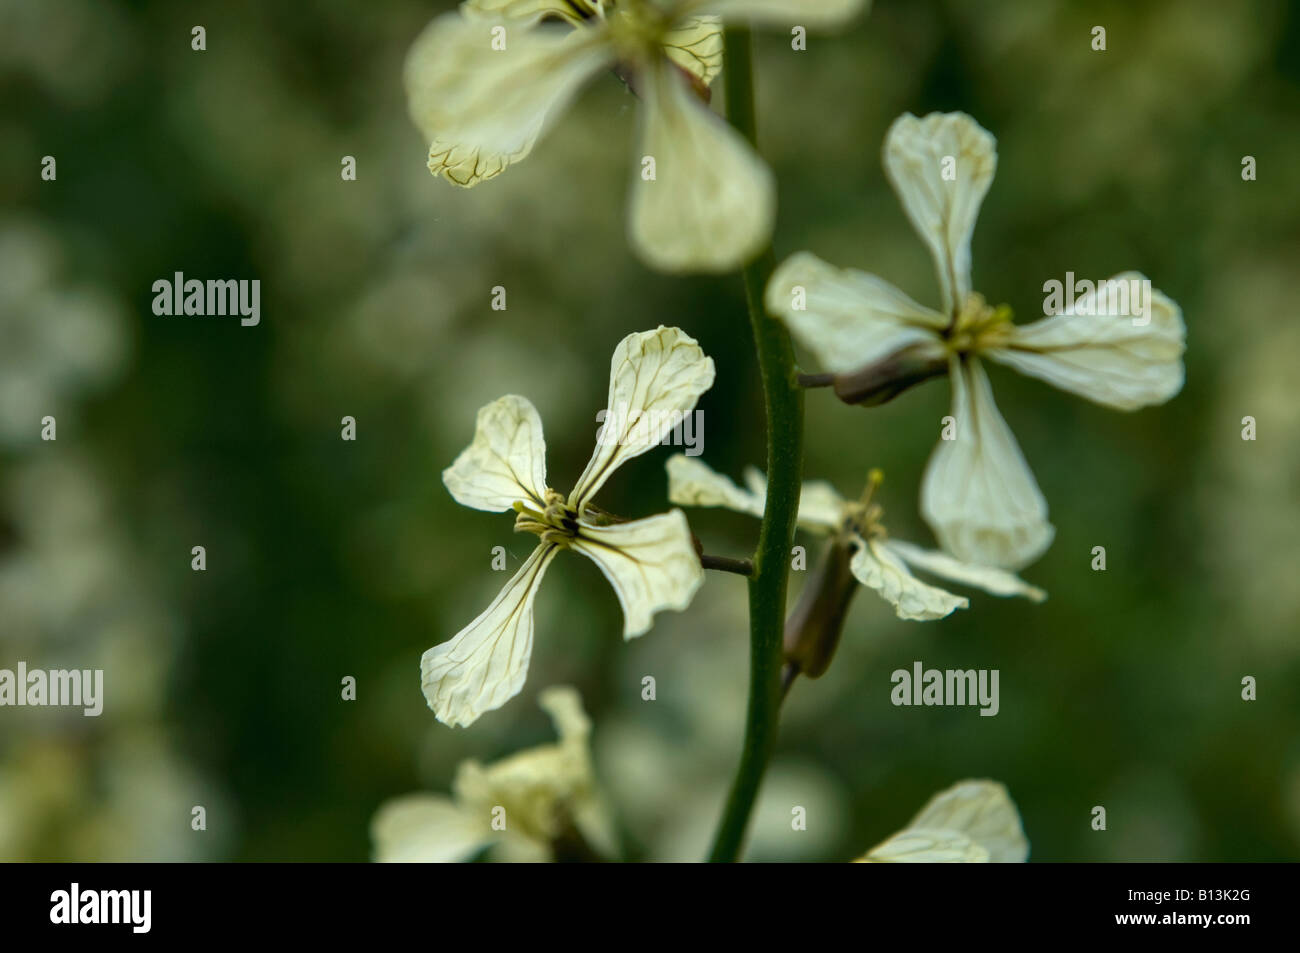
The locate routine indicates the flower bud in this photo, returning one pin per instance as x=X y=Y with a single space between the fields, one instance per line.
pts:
x=884 y=380
x=812 y=632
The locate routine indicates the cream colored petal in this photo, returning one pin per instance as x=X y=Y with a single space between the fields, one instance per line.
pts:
x=468 y=167
x=920 y=846
x=815 y=14
x=651 y=563
x=590 y=813
x=821 y=508
x=1119 y=360
x=942 y=199
x=693 y=483
x=496 y=103
x=425 y=828
x=695 y=44
x=983 y=811
x=877 y=568
x=544 y=789
x=846 y=318
x=978 y=495
x=484 y=665
x=524 y=11
x=655 y=378
x=997 y=581
x=970 y=822
x=712 y=202
x=506 y=461
x=564 y=705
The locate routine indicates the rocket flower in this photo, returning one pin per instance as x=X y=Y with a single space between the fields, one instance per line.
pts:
x=860 y=550
x=1119 y=349
x=541 y=804
x=655 y=378
x=484 y=84
x=877 y=561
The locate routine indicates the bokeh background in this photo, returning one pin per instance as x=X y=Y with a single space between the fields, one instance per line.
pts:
x=328 y=559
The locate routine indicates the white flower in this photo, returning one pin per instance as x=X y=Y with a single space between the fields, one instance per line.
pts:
x=655 y=377
x=521 y=806
x=978 y=495
x=485 y=84
x=878 y=562
x=973 y=822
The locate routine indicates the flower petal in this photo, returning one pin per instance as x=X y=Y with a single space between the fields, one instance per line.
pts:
x=490 y=103
x=941 y=200
x=564 y=705
x=543 y=789
x=922 y=846
x=484 y=665
x=978 y=495
x=846 y=318
x=506 y=461
x=693 y=483
x=467 y=167
x=524 y=11
x=655 y=378
x=695 y=44
x=877 y=568
x=426 y=829
x=997 y=581
x=651 y=563
x=1115 y=359
x=983 y=811
x=591 y=815
x=817 y=14
x=821 y=508
x=712 y=202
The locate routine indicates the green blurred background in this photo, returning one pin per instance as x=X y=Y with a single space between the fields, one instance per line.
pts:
x=328 y=559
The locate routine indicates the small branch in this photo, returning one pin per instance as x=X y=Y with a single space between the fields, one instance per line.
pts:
x=815 y=380
x=741 y=567
x=788 y=675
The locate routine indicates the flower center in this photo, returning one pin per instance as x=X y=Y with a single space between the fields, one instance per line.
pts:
x=862 y=516
x=978 y=326
x=555 y=523
x=637 y=29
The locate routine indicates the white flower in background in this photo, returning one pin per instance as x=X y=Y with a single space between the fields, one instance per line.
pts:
x=973 y=822
x=655 y=378
x=523 y=807
x=978 y=494
x=878 y=562
x=485 y=84
x=62 y=341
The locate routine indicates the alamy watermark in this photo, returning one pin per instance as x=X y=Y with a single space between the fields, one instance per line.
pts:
x=53 y=688
x=131 y=907
x=1112 y=297
x=932 y=686
x=176 y=296
x=643 y=428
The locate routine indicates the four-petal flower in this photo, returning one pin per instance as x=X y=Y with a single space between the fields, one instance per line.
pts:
x=978 y=494
x=485 y=84
x=878 y=562
x=539 y=798
x=655 y=378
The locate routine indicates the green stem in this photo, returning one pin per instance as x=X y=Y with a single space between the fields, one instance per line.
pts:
x=783 y=402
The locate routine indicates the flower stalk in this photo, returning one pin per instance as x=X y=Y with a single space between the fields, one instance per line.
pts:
x=783 y=404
